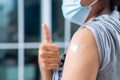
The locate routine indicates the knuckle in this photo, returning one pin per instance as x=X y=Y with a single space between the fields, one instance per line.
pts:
x=58 y=54
x=55 y=46
x=44 y=61
x=45 y=66
x=41 y=54
x=59 y=60
x=56 y=65
x=41 y=46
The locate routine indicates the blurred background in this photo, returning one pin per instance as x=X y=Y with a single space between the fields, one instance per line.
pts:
x=21 y=34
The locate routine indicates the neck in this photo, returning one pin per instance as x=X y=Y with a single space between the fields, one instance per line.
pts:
x=93 y=13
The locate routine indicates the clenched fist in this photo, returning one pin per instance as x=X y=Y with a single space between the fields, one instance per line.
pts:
x=49 y=55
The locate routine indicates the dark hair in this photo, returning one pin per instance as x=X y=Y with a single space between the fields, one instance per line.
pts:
x=112 y=4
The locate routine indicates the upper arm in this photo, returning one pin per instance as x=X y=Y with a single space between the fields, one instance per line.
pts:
x=84 y=63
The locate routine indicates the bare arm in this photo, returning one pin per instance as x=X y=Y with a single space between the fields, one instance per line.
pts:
x=49 y=56
x=82 y=64
x=46 y=74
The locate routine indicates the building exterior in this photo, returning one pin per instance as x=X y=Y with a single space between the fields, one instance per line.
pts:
x=21 y=35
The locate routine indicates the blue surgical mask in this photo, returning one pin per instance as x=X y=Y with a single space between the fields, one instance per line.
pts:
x=74 y=12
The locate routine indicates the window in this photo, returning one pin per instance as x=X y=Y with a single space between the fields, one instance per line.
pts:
x=57 y=22
x=8 y=21
x=21 y=35
x=8 y=64
x=32 y=20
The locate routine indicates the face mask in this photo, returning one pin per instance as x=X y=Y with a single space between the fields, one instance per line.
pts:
x=74 y=12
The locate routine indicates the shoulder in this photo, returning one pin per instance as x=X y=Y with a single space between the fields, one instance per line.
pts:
x=85 y=58
x=87 y=46
x=85 y=37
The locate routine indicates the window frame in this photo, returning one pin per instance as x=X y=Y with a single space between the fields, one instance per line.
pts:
x=21 y=45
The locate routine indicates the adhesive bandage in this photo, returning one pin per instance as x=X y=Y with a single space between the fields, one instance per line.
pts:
x=74 y=48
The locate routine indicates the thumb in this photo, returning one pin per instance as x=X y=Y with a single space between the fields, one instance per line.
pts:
x=46 y=34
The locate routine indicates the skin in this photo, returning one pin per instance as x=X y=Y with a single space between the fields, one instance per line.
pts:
x=85 y=60
x=49 y=55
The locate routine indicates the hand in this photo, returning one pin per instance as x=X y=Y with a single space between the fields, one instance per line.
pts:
x=49 y=55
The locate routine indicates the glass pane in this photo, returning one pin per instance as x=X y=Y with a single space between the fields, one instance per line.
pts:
x=57 y=21
x=62 y=50
x=8 y=65
x=31 y=65
x=32 y=20
x=74 y=28
x=8 y=21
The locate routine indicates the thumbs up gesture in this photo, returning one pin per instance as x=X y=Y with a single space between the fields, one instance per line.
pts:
x=49 y=55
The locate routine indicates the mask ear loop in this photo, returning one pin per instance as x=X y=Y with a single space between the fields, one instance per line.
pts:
x=93 y=3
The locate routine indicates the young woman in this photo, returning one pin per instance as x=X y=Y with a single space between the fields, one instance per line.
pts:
x=94 y=50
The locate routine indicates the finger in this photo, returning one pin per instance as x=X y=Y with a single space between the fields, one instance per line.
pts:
x=50 y=61
x=53 y=60
x=53 y=66
x=49 y=66
x=49 y=47
x=43 y=54
x=49 y=54
x=53 y=54
x=46 y=34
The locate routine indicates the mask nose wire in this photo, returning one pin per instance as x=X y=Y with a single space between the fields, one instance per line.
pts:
x=93 y=3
